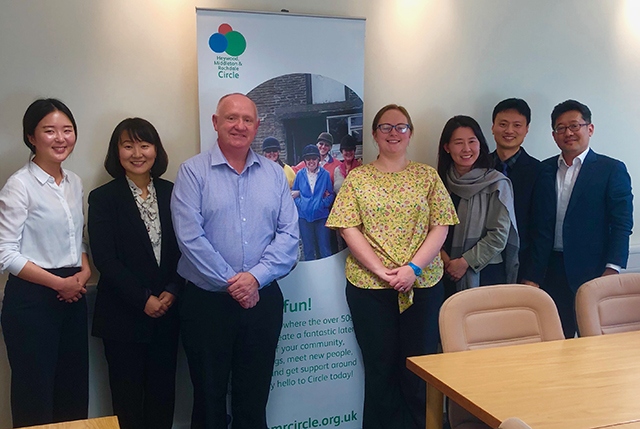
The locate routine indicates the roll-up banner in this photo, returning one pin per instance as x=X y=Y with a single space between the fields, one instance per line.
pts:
x=305 y=74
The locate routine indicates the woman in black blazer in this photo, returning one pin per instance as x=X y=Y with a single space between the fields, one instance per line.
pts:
x=134 y=248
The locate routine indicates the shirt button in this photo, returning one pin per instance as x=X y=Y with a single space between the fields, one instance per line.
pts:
x=244 y=219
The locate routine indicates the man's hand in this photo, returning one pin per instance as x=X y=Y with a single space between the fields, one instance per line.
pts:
x=530 y=283
x=609 y=272
x=243 y=287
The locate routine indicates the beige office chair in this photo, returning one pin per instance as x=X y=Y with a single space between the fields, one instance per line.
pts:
x=495 y=316
x=513 y=423
x=609 y=304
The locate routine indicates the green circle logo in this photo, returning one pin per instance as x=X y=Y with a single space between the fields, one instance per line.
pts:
x=237 y=43
x=227 y=40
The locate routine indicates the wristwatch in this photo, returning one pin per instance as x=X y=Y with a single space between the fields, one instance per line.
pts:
x=416 y=269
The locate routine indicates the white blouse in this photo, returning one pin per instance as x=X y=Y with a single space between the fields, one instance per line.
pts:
x=41 y=221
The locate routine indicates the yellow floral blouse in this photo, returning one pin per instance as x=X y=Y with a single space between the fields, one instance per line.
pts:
x=394 y=211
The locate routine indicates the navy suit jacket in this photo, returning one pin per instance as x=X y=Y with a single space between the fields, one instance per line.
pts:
x=599 y=218
x=123 y=255
x=534 y=201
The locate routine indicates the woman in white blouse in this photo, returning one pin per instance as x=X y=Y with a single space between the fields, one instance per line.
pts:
x=44 y=314
x=135 y=249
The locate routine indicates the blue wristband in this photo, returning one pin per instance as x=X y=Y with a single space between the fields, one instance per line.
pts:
x=416 y=269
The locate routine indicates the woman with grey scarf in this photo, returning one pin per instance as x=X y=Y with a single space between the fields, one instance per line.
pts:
x=483 y=248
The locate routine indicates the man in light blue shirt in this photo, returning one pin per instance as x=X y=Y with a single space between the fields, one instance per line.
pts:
x=237 y=228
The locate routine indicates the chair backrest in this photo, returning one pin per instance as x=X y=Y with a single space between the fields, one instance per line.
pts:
x=513 y=423
x=609 y=304
x=500 y=315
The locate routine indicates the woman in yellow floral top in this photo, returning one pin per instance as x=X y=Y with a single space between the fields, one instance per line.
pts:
x=394 y=216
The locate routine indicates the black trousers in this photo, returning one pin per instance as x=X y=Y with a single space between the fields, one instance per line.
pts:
x=222 y=338
x=557 y=286
x=47 y=347
x=142 y=377
x=394 y=397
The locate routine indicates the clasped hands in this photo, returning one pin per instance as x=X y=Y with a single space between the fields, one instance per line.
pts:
x=243 y=287
x=157 y=306
x=73 y=287
x=400 y=279
x=456 y=268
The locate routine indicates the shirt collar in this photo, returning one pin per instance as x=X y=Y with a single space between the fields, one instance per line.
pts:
x=580 y=157
x=509 y=162
x=218 y=158
x=135 y=189
x=41 y=175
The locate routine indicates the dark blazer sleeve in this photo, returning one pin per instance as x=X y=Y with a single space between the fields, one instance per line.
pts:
x=619 y=208
x=105 y=219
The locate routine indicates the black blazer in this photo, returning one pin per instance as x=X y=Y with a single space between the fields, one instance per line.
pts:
x=534 y=201
x=599 y=218
x=123 y=255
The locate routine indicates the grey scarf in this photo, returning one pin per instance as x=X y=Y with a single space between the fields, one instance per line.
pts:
x=474 y=189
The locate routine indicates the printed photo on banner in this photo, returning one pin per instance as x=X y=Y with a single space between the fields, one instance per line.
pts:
x=311 y=125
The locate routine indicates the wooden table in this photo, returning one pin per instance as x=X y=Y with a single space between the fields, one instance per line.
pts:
x=581 y=383
x=97 y=423
x=628 y=425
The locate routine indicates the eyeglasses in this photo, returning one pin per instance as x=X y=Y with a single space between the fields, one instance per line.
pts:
x=269 y=150
x=561 y=129
x=401 y=128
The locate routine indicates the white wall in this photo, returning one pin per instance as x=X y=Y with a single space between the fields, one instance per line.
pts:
x=110 y=59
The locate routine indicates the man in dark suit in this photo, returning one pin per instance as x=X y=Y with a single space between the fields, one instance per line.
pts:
x=594 y=211
x=532 y=188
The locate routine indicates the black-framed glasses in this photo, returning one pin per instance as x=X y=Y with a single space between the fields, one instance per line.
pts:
x=386 y=128
x=561 y=129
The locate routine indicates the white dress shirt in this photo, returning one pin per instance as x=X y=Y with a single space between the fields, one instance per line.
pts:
x=566 y=177
x=41 y=221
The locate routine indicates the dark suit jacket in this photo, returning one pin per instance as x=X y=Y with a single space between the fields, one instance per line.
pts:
x=599 y=218
x=534 y=201
x=123 y=255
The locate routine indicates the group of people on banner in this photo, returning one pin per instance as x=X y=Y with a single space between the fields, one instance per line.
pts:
x=314 y=183
x=200 y=259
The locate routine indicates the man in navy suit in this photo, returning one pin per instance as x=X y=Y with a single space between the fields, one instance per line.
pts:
x=594 y=211
x=532 y=188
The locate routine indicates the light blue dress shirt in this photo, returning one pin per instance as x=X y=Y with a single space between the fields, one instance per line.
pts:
x=228 y=223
